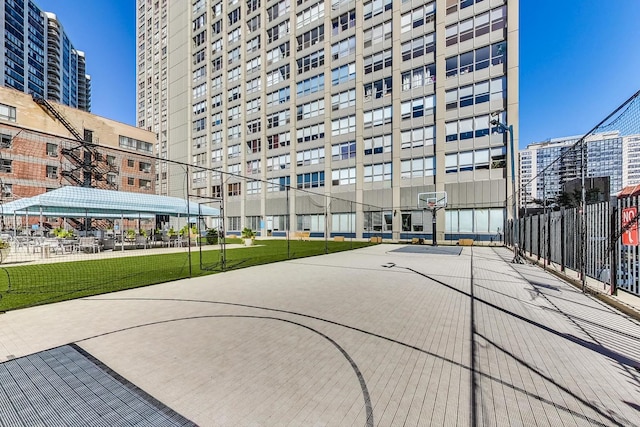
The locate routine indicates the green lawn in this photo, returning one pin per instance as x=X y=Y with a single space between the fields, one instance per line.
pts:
x=27 y=285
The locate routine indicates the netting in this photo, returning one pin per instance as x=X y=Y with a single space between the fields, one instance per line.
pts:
x=571 y=205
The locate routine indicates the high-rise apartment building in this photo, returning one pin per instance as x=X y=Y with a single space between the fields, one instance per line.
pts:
x=545 y=167
x=372 y=102
x=39 y=59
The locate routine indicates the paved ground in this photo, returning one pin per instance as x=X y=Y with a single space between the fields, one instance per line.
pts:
x=376 y=336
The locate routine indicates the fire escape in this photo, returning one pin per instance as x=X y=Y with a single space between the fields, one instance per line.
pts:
x=89 y=167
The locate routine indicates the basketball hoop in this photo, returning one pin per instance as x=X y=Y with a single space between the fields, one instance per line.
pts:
x=431 y=205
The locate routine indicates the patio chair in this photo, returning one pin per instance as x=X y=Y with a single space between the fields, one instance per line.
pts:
x=87 y=244
x=141 y=242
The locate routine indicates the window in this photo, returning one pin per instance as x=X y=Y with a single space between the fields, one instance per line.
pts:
x=343 y=176
x=199 y=73
x=278 y=9
x=345 y=150
x=253 y=85
x=52 y=172
x=278 y=184
x=233 y=112
x=234 y=189
x=310 y=133
x=377 y=34
x=146 y=167
x=234 y=55
x=253 y=167
x=7 y=190
x=378 y=144
x=417 y=137
x=378 y=89
x=130 y=163
x=199 y=57
x=253 y=5
x=234 y=93
x=474 y=220
x=279 y=140
x=343 y=100
x=253 y=44
x=130 y=181
x=311 y=38
x=310 y=180
x=476 y=94
x=200 y=124
x=378 y=116
x=418 y=107
x=478 y=59
x=280 y=30
x=417 y=167
x=254 y=126
x=200 y=38
x=311 y=85
x=279 y=118
x=311 y=223
x=343 y=222
x=378 y=221
x=234 y=36
x=343 y=125
x=282 y=161
x=378 y=61
x=467 y=128
x=310 y=14
x=419 y=77
x=280 y=52
x=343 y=48
x=343 y=74
x=234 y=223
x=343 y=22
x=253 y=24
x=216 y=155
x=310 y=157
x=377 y=172
x=6 y=140
x=278 y=97
x=419 y=46
x=278 y=75
x=418 y=17
x=200 y=107
x=310 y=109
x=309 y=62
x=253 y=187
x=200 y=90
x=253 y=106
x=233 y=151
x=376 y=7
x=234 y=16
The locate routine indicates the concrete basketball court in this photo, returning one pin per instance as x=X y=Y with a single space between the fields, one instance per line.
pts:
x=382 y=336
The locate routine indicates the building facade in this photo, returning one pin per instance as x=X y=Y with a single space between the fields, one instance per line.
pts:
x=335 y=114
x=545 y=167
x=38 y=153
x=38 y=57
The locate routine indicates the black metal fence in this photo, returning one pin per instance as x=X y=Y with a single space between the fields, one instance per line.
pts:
x=589 y=243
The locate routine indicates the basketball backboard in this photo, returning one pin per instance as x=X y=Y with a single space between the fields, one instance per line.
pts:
x=432 y=200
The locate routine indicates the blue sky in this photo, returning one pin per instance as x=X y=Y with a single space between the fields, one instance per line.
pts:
x=578 y=60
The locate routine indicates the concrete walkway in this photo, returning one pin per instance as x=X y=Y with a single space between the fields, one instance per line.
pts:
x=385 y=335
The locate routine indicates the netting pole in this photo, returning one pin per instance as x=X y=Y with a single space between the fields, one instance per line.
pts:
x=288 y=225
x=326 y=225
x=188 y=226
x=583 y=213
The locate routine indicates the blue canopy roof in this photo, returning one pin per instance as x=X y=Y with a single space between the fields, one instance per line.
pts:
x=93 y=202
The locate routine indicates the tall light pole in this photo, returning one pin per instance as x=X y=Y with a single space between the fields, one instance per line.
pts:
x=514 y=234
